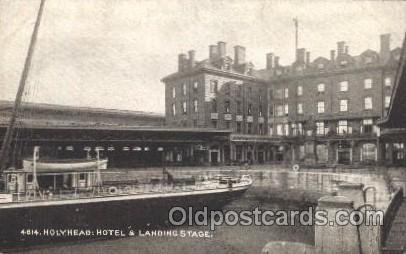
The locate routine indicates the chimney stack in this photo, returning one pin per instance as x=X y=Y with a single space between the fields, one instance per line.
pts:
x=221 y=49
x=181 y=62
x=192 y=60
x=213 y=52
x=239 y=55
x=346 y=50
x=340 y=48
x=307 y=58
x=269 y=61
x=276 y=61
x=332 y=55
x=385 y=46
x=300 y=55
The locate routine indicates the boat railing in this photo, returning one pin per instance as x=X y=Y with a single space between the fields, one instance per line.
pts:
x=113 y=190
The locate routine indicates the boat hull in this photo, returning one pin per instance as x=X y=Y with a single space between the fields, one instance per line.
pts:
x=95 y=216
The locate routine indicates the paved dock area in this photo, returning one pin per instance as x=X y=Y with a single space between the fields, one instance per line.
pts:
x=397 y=235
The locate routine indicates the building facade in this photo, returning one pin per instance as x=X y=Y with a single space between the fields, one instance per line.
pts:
x=322 y=111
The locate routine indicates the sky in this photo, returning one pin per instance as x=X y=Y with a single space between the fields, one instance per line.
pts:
x=113 y=53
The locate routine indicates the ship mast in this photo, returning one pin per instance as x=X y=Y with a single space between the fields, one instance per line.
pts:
x=4 y=155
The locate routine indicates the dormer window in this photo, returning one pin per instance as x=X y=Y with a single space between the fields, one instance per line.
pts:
x=343 y=63
x=226 y=66
x=278 y=72
x=320 y=66
x=195 y=85
x=249 y=71
x=397 y=56
x=299 y=69
x=368 y=60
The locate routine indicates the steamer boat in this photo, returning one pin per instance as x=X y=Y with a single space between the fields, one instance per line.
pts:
x=70 y=195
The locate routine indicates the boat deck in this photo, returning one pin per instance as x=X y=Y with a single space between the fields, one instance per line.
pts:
x=110 y=193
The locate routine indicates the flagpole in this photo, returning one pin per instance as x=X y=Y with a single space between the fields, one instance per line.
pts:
x=295 y=20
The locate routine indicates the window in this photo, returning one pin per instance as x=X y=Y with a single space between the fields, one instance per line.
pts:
x=214 y=124
x=388 y=81
x=343 y=86
x=294 y=129
x=270 y=130
x=239 y=127
x=368 y=102
x=368 y=152
x=238 y=107
x=213 y=86
x=278 y=93
x=343 y=105
x=320 y=107
x=286 y=93
x=195 y=85
x=173 y=92
x=368 y=60
x=286 y=127
x=30 y=178
x=387 y=101
x=227 y=107
x=279 y=110
x=249 y=128
x=195 y=106
x=82 y=176
x=184 y=88
x=286 y=109
x=213 y=106
x=228 y=125
x=249 y=111
x=239 y=90
x=300 y=128
x=261 y=129
x=173 y=109
x=320 y=128
x=184 y=108
x=343 y=63
x=299 y=90
x=279 y=130
x=249 y=91
x=300 y=108
x=227 y=88
x=342 y=127
x=320 y=66
x=367 y=126
x=321 y=88
x=367 y=83
x=260 y=111
x=270 y=110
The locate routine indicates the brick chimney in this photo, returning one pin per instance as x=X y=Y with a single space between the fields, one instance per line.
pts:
x=332 y=55
x=239 y=55
x=385 y=46
x=307 y=58
x=192 y=60
x=269 y=61
x=276 y=61
x=346 y=50
x=213 y=52
x=221 y=46
x=181 y=62
x=340 y=48
x=300 y=55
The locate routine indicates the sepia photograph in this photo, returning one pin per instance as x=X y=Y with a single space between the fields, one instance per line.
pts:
x=202 y=126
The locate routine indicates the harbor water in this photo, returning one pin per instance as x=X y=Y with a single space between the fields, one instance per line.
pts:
x=273 y=189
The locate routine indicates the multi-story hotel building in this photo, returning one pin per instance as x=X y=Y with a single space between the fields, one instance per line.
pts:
x=320 y=111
